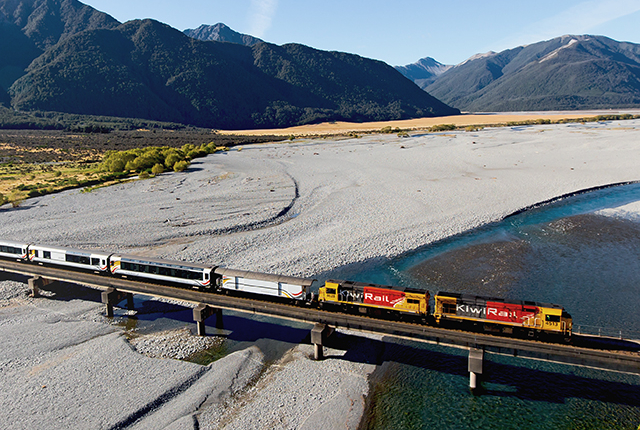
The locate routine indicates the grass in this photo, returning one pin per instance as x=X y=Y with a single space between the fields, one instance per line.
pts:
x=21 y=181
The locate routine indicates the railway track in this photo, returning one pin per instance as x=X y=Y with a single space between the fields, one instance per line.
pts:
x=597 y=352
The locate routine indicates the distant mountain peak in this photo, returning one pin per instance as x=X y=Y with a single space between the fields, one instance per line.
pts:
x=554 y=53
x=565 y=73
x=221 y=33
x=424 y=71
x=477 y=57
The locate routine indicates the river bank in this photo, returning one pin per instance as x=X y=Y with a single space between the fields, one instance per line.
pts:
x=298 y=208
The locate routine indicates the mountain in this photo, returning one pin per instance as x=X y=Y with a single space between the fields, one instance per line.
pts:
x=221 y=33
x=28 y=27
x=146 y=69
x=565 y=73
x=46 y=22
x=423 y=72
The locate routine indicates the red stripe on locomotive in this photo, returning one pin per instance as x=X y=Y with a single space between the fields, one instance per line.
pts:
x=509 y=312
x=383 y=297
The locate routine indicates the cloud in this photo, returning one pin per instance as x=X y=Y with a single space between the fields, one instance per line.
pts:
x=579 y=19
x=262 y=13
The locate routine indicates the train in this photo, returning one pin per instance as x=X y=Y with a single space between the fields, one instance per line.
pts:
x=452 y=310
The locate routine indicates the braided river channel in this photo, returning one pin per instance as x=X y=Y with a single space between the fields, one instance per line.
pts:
x=582 y=252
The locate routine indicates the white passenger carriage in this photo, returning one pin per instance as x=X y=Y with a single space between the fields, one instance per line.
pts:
x=196 y=275
x=262 y=283
x=15 y=250
x=96 y=261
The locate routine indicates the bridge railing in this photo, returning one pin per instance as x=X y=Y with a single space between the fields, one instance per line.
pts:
x=606 y=332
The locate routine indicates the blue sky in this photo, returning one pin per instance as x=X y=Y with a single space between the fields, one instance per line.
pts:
x=398 y=32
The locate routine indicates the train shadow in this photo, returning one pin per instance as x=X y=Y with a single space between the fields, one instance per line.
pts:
x=499 y=379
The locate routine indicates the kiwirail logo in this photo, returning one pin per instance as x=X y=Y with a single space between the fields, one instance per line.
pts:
x=383 y=299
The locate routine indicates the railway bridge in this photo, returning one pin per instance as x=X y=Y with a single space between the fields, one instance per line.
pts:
x=592 y=351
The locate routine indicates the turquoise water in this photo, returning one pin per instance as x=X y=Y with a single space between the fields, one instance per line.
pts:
x=558 y=253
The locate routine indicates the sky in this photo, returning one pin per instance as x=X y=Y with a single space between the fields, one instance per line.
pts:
x=398 y=32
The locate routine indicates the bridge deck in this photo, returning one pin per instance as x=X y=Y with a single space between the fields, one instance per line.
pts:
x=608 y=354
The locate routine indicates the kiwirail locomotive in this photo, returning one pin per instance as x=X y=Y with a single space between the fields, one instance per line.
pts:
x=494 y=315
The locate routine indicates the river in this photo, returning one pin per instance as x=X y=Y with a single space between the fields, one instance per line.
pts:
x=563 y=252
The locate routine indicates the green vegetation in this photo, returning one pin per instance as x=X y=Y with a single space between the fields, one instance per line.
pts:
x=181 y=166
x=212 y=85
x=152 y=160
x=388 y=130
x=442 y=127
x=91 y=124
x=157 y=169
x=21 y=181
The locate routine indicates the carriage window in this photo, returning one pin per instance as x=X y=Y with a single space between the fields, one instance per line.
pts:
x=95 y=261
x=77 y=259
x=35 y=252
x=331 y=291
x=206 y=276
x=11 y=250
x=413 y=301
x=46 y=254
x=552 y=318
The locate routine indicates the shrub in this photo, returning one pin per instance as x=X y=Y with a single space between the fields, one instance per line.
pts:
x=171 y=160
x=144 y=175
x=388 y=130
x=197 y=153
x=442 y=127
x=157 y=169
x=181 y=166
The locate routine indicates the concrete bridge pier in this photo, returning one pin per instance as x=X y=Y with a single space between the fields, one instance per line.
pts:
x=37 y=283
x=111 y=297
x=476 y=358
x=319 y=335
x=201 y=313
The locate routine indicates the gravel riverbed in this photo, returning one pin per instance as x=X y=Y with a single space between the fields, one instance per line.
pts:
x=294 y=208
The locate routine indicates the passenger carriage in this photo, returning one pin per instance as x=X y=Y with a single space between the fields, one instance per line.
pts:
x=96 y=261
x=14 y=250
x=196 y=275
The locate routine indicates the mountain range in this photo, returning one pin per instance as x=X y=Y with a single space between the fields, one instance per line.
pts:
x=68 y=57
x=565 y=73
x=65 y=56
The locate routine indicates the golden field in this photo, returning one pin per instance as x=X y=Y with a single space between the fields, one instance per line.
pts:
x=489 y=119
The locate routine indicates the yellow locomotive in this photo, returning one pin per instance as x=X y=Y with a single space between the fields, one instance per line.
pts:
x=372 y=298
x=498 y=315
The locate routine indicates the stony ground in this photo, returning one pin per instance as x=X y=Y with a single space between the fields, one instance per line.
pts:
x=295 y=208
